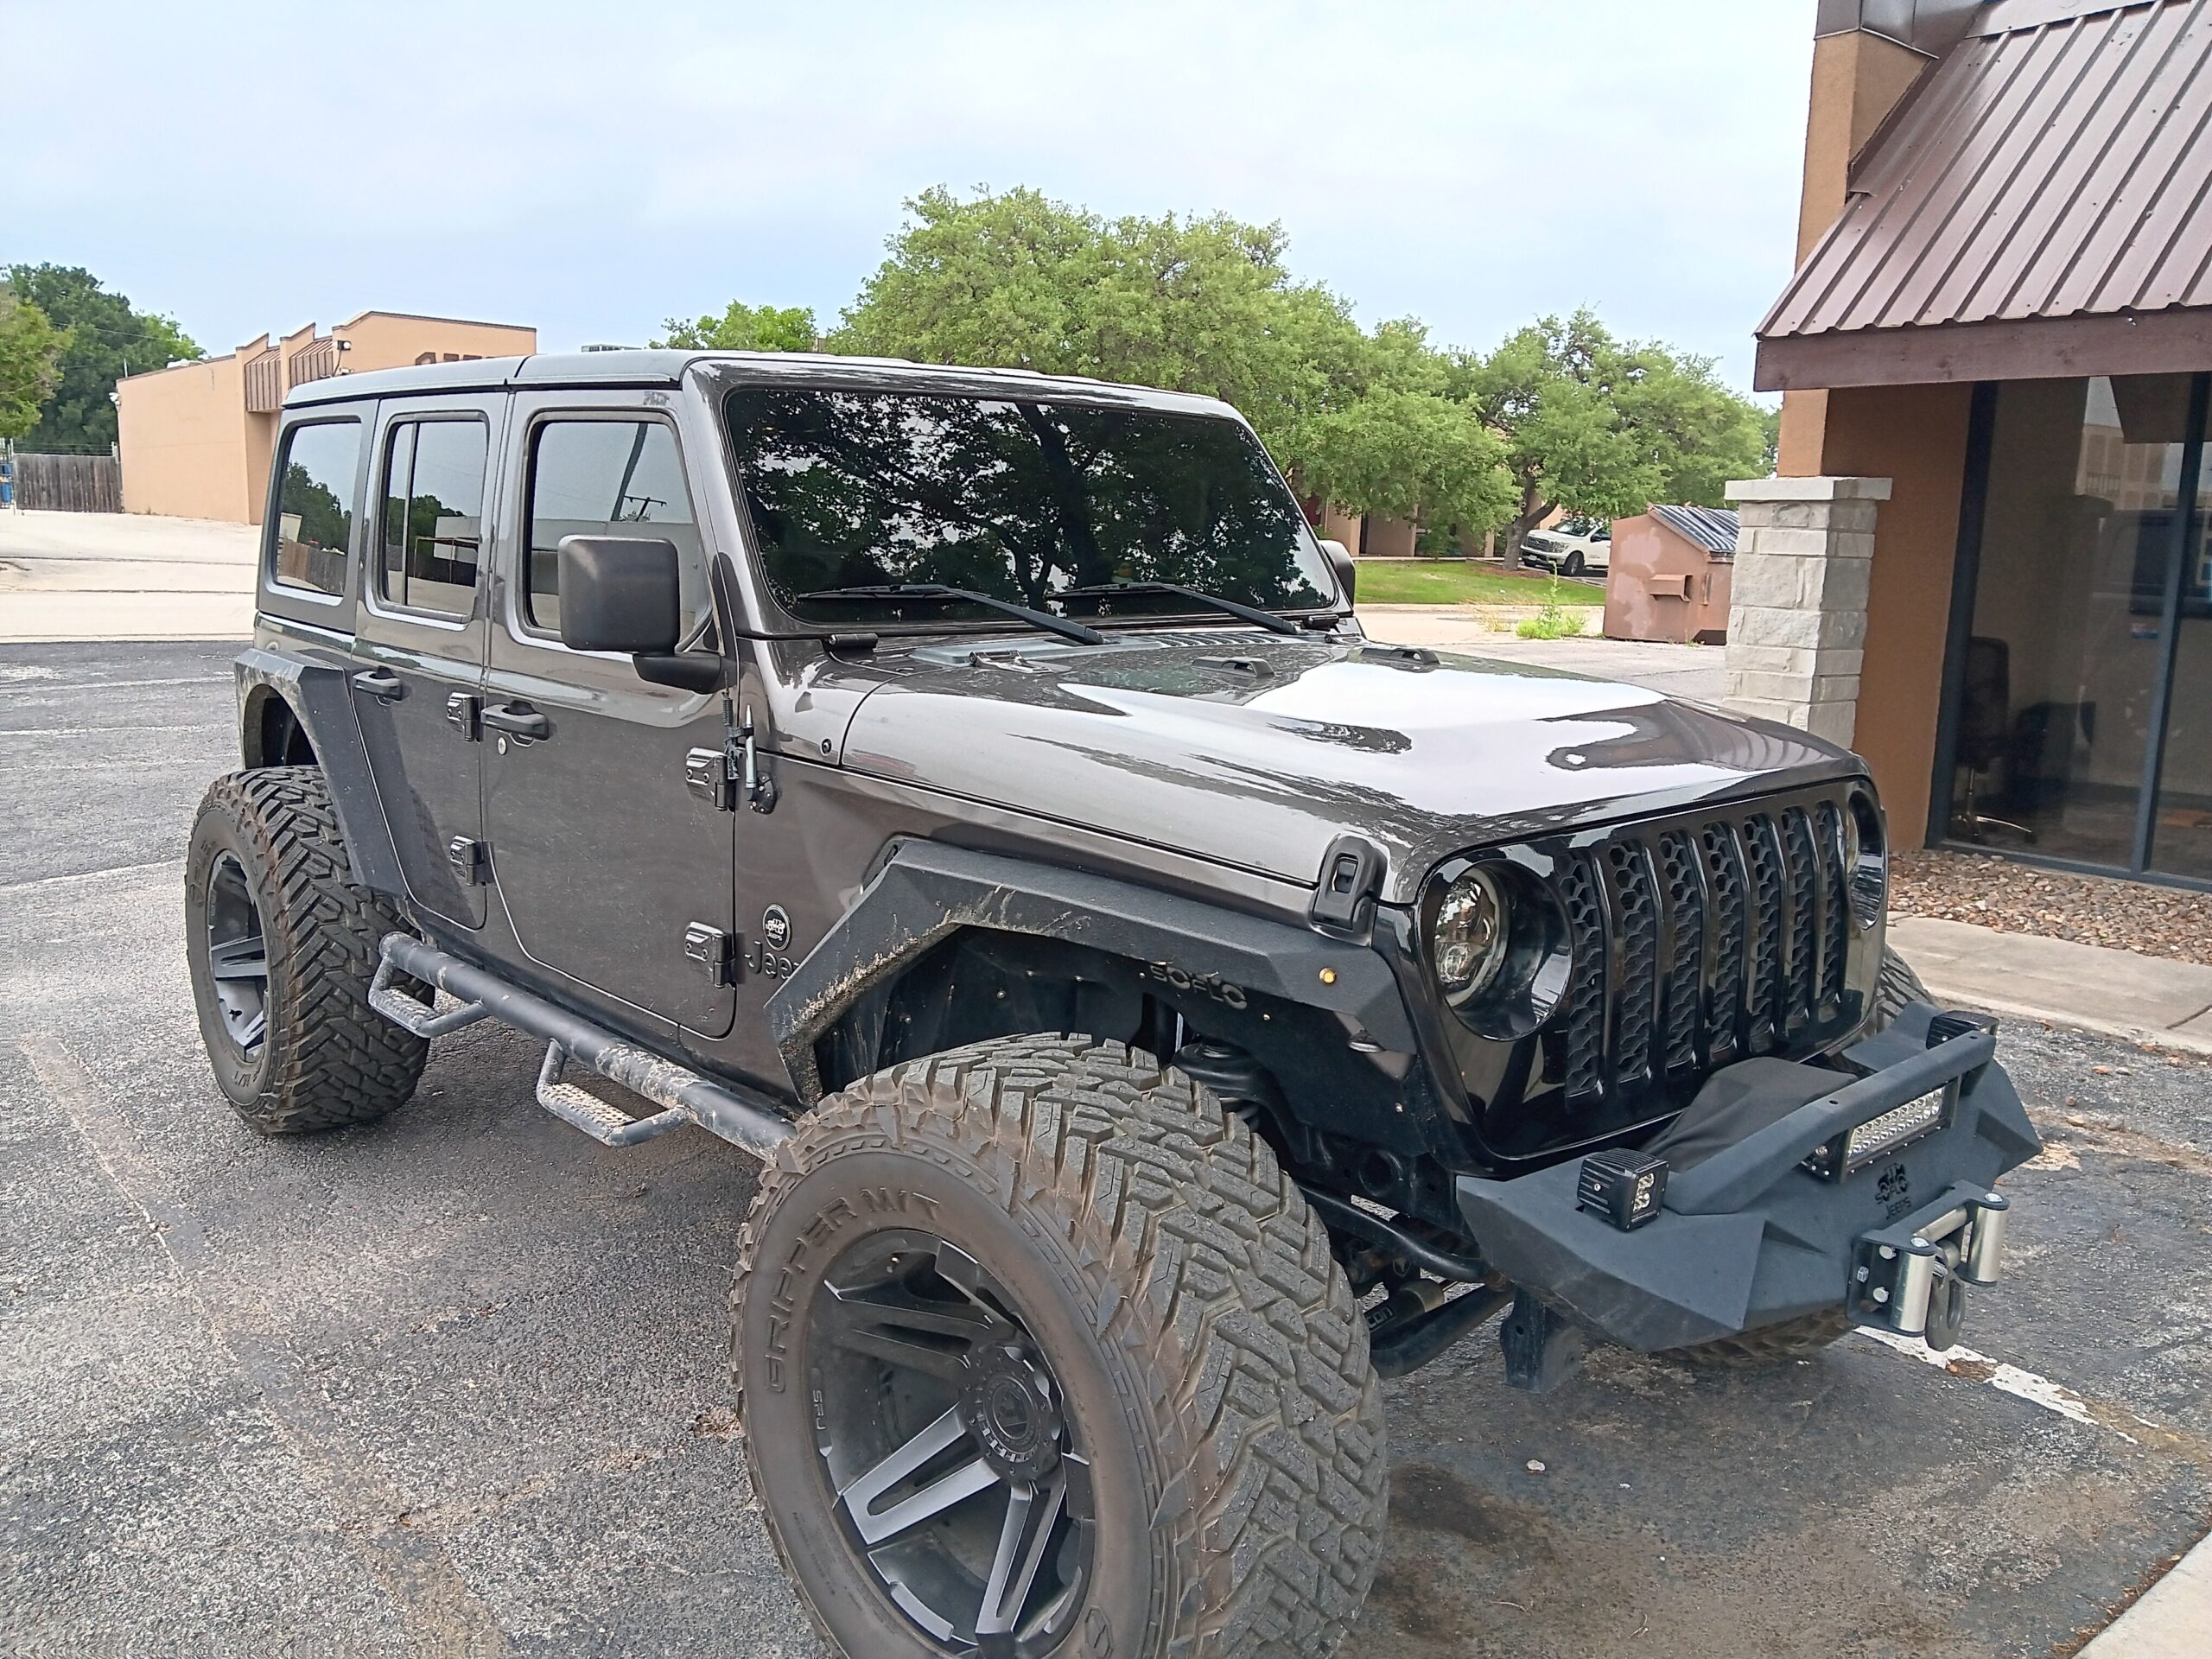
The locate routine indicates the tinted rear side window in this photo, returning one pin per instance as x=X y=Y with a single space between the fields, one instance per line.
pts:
x=433 y=516
x=316 y=497
x=607 y=478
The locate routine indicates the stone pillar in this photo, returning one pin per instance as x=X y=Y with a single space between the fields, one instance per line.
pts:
x=1797 y=626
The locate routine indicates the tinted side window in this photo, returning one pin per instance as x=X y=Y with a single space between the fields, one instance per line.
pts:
x=316 y=502
x=607 y=478
x=433 y=516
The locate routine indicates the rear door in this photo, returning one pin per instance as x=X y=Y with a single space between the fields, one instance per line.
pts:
x=604 y=854
x=420 y=639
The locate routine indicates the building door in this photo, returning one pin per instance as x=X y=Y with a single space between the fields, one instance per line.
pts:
x=602 y=853
x=421 y=643
x=2078 y=724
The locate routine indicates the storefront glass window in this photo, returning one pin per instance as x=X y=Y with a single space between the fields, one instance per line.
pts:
x=2066 y=719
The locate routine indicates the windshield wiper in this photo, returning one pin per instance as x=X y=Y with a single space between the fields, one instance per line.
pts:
x=1059 y=625
x=1251 y=614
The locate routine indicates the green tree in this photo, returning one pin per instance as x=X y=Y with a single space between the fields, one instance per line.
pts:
x=1207 y=305
x=1604 y=428
x=107 y=339
x=1409 y=454
x=745 y=328
x=1015 y=280
x=30 y=358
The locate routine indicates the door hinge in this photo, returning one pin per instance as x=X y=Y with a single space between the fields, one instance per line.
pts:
x=471 y=860
x=710 y=775
x=713 y=952
x=462 y=709
x=755 y=782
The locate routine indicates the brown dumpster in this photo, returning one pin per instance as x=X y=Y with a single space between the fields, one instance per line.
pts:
x=1672 y=571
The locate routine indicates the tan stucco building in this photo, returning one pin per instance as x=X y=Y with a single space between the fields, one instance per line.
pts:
x=1985 y=563
x=196 y=438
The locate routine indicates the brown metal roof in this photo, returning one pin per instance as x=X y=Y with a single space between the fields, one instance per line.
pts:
x=2038 y=201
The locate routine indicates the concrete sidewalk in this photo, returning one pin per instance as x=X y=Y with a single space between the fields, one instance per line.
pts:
x=109 y=575
x=2117 y=993
x=2172 y=1620
x=1698 y=672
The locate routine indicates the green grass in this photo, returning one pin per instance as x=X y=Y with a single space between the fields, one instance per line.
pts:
x=1455 y=581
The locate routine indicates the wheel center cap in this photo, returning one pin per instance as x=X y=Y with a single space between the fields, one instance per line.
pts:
x=1006 y=1400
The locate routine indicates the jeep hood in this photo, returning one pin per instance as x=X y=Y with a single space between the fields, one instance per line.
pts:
x=1258 y=751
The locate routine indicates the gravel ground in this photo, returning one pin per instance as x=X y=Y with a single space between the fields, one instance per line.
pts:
x=2015 y=898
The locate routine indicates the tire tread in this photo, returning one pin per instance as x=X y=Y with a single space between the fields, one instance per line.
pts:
x=336 y=1060
x=1218 y=1281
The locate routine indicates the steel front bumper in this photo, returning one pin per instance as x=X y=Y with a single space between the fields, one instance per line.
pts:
x=1752 y=1234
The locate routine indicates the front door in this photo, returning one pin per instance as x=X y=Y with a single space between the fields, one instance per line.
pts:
x=421 y=632
x=602 y=853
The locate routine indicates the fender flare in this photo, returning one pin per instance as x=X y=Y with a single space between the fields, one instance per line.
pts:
x=927 y=891
x=322 y=701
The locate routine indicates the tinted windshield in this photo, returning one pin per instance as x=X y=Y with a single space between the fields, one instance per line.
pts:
x=1019 y=500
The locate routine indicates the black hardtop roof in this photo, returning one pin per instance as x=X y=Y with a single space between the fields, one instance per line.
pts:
x=669 y=368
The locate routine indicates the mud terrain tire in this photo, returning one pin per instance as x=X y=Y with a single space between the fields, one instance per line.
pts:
x=1795 y=1338
x=1180 y=1292
x=325 y=1058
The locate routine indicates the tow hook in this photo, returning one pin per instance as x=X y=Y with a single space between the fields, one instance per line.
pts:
x=1912 y=1277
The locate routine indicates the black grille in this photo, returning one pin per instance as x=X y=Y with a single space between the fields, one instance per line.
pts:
x=1685 y=909
x=1585 y=1068
x=1639 y=931
x=1698 y=942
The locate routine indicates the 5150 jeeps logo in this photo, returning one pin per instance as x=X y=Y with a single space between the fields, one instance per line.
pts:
x=1212 y=985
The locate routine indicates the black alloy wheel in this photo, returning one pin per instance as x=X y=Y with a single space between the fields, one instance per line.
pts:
x=282 y=947
x=946 y=1442
x=1576 y=564
x=237 y=955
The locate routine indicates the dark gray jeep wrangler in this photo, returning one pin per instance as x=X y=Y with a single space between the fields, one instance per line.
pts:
x=1161 y=1012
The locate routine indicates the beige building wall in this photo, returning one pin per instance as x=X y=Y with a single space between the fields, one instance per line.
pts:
x=192 y=449
x=392 y=339
x=1858 y=79
x=183 y=435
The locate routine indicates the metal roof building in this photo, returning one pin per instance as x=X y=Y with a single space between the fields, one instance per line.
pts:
x=1985 y=560
x=2041 y=197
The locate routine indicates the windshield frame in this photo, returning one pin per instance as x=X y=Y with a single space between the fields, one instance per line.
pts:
x=988 y=386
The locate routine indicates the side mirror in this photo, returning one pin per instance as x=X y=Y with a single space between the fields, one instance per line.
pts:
x=619 y=592
x=1347 y=567
x=623 y=593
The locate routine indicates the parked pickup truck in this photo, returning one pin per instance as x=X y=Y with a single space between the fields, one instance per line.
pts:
x=1159 y=1012
x=1572 y=547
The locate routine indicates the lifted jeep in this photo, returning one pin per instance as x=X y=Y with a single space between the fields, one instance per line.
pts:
x=1161 y=1012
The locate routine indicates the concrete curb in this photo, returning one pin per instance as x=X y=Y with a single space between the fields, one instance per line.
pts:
x=2171 y=1620
x=2087 y=987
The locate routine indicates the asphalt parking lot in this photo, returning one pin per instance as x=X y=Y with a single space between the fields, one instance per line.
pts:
x=454 y=1383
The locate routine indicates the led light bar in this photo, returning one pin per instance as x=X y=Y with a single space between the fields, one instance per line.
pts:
x=1898 y=1127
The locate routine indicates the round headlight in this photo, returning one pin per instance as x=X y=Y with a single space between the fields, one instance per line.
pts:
x=1470 y=935
x=1866 y=860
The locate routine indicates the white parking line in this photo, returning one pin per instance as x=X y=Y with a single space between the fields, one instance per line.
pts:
x=111 y=731
x=2009 y=1379
x=120 y=870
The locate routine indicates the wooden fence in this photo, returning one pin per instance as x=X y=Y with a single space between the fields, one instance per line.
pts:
x=68 y=483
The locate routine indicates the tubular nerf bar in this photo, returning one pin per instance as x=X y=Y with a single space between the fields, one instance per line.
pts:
x=683 y=1096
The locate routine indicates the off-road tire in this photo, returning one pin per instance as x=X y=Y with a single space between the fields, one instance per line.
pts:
x=1896 y=986
x=327 y=1059
x=1179 y=1285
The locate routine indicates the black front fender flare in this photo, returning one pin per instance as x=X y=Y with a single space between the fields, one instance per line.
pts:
x=927 y=891
x=322 y=702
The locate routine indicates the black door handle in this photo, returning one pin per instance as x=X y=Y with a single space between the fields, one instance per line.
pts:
x=381 y=683
x=518 y=719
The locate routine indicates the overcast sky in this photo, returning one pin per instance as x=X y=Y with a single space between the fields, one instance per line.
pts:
x=594 y=169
